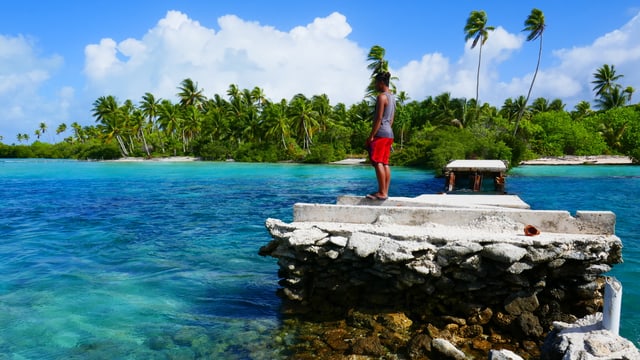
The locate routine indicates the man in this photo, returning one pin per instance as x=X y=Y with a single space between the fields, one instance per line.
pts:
x=381 y=137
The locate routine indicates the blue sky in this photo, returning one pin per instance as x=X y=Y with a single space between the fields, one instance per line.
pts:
x=57 y=58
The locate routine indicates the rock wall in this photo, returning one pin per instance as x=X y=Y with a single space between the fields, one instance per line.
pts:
x=479 y=284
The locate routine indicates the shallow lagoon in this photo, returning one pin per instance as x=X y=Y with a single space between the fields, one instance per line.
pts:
x=148 y=259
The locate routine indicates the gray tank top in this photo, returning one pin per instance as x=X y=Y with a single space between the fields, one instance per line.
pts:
x=385 y=130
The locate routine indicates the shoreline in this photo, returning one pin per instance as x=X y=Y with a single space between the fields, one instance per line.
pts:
x=162 y=159
x=350 y=161
x=580 y=160
x=346 y=161
x=550 y=160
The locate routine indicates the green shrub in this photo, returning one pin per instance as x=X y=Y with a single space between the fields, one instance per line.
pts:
x=16 y=152
x=320 y=154
x=213 y=151
x=96 y=151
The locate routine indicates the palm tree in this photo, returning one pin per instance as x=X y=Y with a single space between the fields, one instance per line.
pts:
x=535 y=26
x=612 y=99
x=138 y=124
x=377 y=65
x=402 y=119
x=78 y=132
x=629 y=91
x=215 y=123
x=108 y=114
x=61 y=128
x=43 y=128
x=277 y=122
x=192 y=126
x=539 y=105
x=150 y=107
x=444 y=113
x=556 y=105
x=513 y=108
x=605 y=79
x=129 y=126
x=251 y=115
x=169 y=118
x=477 y=29
x=582 y=109
x=236 y=111
x=304 y=119
x=190 y=94
x=259 y=97
x=322 y=106
x=613 y=134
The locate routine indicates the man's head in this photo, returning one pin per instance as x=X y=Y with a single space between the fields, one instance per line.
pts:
x=382 y=79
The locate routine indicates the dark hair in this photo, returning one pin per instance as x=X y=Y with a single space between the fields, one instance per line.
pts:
x=384 y=77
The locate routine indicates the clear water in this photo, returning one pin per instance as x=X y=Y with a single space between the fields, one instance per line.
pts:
x=106 y=260
x=588 y=187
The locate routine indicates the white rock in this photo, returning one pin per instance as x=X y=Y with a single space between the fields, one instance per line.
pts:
x=363 y=244
x=505 y=253
x=503 y=354
x=447 y=349
x=585 y=339
x=303 y=237
x=338 y=241
x=392 y=251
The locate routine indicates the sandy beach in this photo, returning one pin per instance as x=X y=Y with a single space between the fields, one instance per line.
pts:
x=581 y=160
x=350 y=161
x=165 y=159
x=560 y=160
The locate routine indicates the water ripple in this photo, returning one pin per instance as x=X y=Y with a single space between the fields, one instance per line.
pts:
x=107 y=259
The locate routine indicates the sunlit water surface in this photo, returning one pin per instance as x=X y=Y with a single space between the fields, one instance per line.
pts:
x=157 y=259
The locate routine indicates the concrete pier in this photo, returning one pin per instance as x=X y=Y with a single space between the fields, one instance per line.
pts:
x=460 y=266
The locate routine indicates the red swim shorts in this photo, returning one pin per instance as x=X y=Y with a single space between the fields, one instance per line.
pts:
x=379 y=150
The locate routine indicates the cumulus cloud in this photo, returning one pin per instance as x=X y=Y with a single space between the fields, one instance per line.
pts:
x=319 y=58
x=314 y=59
x=23 y=74
x=435 y=74
x=620 y=48
x=569 y=78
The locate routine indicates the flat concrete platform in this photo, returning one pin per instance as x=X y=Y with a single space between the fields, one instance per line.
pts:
x=442 y=200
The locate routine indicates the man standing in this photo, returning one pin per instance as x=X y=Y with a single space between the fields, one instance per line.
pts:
x=381 y=137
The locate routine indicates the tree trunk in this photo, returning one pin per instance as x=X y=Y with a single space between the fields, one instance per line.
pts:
x=530 y=87
x=123 y=148
x=144 y=142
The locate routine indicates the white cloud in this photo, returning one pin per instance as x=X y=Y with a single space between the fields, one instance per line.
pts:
x=23 y=74
x=435 y=74
x=569 y=78
x=313 y=59
x=620 y=48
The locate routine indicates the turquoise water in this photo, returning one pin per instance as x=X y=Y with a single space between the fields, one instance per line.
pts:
x=111 y=260
x=588 y=187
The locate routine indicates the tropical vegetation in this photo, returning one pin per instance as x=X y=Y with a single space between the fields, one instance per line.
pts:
x=246 y=125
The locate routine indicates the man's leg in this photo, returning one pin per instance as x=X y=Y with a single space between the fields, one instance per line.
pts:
x=387 y=179
x=381 y=177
